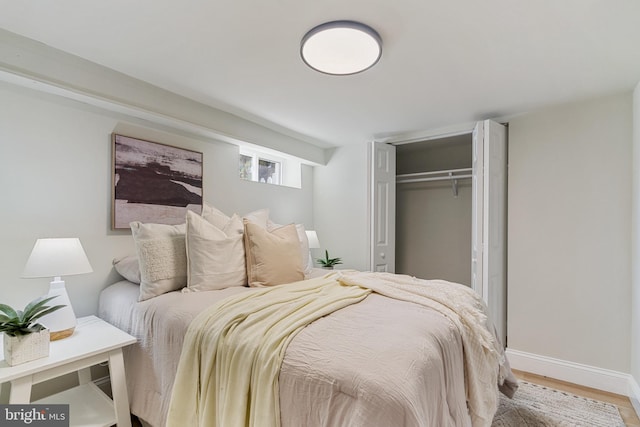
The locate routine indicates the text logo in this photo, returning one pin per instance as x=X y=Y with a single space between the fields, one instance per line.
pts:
x=34 y=415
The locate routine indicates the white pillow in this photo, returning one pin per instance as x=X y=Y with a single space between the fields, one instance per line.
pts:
x=128 y=267
x=224 y=222
x=215 y=258
x=162 y=257
x=259 y=217
x=220 y=220
x=307 y=263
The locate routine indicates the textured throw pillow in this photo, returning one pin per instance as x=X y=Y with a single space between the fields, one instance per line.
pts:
x=215 y=258
x=162 y=257
x=273 y=258
x=128 y=267
x=307 y=263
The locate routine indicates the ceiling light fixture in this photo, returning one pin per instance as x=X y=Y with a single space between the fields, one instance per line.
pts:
x=341 y=48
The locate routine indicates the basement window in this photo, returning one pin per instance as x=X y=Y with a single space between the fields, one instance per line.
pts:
x=260 y=167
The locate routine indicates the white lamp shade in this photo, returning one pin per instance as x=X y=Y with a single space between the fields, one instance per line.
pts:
x=341 y=47
x=312 y=237
x=57 y=257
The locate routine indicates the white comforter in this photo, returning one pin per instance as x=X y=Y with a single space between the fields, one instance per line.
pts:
x=402 y=366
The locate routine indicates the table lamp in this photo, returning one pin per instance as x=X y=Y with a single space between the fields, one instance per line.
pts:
x=56 y=258
x=314 y=243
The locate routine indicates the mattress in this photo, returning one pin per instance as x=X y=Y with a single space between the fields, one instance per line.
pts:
x=381 y=362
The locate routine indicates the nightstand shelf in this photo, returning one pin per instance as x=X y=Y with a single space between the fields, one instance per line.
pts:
x=91 y=407
x=94 y=341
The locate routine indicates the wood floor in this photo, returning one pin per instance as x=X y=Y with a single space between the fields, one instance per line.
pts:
x=622 y=402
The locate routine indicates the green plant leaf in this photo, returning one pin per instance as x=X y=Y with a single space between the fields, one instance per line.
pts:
x=33 y=307
x=4 y=318
x=8 y=310
x=328 y=262
x=18 y=322
x=46 y=310
x=37 y=327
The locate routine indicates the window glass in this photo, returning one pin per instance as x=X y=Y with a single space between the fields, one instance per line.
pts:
x=255 y=166
x=269 y=171
x=245 y=167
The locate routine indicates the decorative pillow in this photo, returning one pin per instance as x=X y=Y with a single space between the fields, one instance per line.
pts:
x=229 y=224
x=128 y=267
x=259 y=217
x=215 y=258
x=273 y=258
x=162 y=257
x=214 y=216
x=307 y=263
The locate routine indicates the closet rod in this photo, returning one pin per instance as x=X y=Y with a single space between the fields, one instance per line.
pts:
x=433 y=176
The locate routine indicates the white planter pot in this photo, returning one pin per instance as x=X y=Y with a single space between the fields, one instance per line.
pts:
x=25 y=348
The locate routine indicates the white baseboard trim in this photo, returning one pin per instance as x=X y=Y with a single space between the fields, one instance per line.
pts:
x=634 y=394
x=577 y=373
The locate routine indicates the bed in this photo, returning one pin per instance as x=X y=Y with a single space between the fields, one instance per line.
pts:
x=381 y=359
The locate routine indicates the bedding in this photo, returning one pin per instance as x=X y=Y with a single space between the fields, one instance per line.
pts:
x=215 y=256
x=273 y=257
x=162 y=257
x=387 y=360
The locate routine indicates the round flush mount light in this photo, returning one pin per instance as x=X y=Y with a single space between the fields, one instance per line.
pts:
x=341 y=48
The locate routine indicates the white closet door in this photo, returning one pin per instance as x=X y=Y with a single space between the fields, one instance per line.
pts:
x=488 y=253
x=383 y=207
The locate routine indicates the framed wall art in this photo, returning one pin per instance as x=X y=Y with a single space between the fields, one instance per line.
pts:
x=154 y=182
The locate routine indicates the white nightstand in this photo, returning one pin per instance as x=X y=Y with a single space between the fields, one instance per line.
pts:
x=94 y=341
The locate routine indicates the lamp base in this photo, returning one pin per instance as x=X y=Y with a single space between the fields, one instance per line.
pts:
x=58 y=335
x=62 y=322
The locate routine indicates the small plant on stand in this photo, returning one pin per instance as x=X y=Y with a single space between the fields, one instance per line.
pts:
x=24 y=338
x=327 y=262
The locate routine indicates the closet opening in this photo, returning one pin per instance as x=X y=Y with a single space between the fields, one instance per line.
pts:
x=434 y=208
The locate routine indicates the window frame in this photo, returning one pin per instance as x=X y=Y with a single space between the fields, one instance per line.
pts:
x=256 y=157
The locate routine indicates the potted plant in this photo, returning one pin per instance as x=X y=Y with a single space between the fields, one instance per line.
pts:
x=327 y=262
x=24 y=338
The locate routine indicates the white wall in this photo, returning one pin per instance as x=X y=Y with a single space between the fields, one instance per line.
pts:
x=569 y=228
x=341 y=206
x=569 y=267
x=635 y=253
x=55 y=181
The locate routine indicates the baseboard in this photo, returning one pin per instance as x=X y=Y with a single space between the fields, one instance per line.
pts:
x=585 y=375
x=634 y=395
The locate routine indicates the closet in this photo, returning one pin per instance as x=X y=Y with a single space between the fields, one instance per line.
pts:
x=437 y=209
x=433 y=208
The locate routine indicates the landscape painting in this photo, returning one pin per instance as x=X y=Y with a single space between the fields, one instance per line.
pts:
x=154 y=183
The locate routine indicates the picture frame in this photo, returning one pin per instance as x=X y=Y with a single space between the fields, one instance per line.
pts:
x=153 y=182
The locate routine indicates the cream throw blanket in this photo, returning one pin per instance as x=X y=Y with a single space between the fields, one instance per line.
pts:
x=230 y=362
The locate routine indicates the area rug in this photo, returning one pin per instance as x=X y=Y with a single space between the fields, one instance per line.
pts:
x=539 y=406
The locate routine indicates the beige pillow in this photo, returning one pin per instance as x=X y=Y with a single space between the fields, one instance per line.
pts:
x=273 y=258
x=162 y=257
x=307 y=263
x=215 y=258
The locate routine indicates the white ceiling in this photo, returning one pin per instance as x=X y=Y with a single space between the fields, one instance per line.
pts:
x=444 y=62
